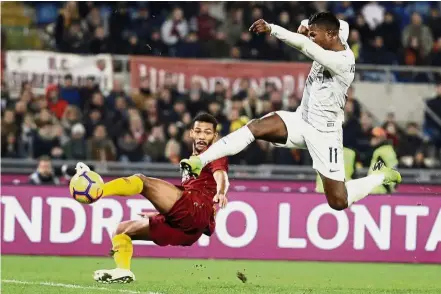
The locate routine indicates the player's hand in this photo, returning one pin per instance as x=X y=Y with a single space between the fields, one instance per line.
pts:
x=260 y=26
x=303 y=30
x=147 y=214
x=220 y=199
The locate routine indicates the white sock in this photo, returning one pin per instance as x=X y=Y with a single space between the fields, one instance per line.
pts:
x=360 y=188
x=228 y=145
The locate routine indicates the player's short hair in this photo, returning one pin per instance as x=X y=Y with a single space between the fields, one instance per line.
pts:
x=326 y=20
x=205 y=117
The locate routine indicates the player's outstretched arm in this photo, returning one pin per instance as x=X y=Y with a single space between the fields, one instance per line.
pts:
x=302 y=43
x=327 y=58
x=221 y=178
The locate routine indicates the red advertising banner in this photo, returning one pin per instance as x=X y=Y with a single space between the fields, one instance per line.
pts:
x=289 y=77
x=276 y=226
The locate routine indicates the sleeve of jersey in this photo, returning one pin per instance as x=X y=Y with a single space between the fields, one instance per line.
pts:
x=219 y=164
x=329 y=59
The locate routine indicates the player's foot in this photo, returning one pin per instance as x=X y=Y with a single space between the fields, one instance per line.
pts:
x=193 y=165
x=390 y=175
x=81 y=168
x=117 y=275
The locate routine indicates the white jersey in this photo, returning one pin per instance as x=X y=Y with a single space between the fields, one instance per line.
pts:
x=317 y=124
x=324 y=96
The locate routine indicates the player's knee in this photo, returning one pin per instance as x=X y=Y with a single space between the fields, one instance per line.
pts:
x=255 y=128
x=337 y=203
x=122 y=228
x=130 y=228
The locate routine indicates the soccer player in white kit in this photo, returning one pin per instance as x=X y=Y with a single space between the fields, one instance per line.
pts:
x=317 y=123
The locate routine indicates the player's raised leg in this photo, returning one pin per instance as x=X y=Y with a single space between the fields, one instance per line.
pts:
x=341 y=195
x=270 y=128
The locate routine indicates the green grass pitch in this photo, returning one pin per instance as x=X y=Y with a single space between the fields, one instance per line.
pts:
x=60 y=275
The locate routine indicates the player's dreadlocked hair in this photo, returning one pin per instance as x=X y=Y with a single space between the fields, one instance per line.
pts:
x=205 y=117
x=325 y=19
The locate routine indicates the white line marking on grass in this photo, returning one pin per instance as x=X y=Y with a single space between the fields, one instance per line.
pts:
x=72 y=286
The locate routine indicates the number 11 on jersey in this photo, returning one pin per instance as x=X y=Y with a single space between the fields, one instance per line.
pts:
x=332 y=155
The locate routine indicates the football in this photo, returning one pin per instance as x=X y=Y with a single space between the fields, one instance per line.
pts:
x=86 y=187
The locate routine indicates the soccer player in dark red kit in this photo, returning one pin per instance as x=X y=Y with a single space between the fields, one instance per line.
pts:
x=184 y=213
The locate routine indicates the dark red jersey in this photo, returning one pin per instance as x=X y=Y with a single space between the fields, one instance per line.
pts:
x=205 y=183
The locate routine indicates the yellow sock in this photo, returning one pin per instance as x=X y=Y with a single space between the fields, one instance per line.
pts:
x=122 y=251
x=130 y=186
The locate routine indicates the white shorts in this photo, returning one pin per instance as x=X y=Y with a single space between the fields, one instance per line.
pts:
x=326 y=149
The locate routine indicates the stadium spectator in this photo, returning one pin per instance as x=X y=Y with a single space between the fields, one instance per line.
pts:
x=190 y=47
x=76 y=148
x=271 y=49
x=129 y=148
x=417 y=41
x=252 y=106
x=246 y=47
x=74 y=41
x=68 y=15
x=99 y=43
x=419 y=161
x=155 y=145
x=142 y=24
x=134 y=47
x=93 y=20
x=204 y=23
x=25 y=140
x=410 y=143
x=286 y=22
x=44 y=175
x=70 y=93
x=4 y=95
x=173 y=148
x=155 y=45
x=344 y=10
x=86 y=92
x=389 y=30
x=71 y=116
x=44 y=141
x=351 y=127
x=378 y=53
x=436 y=54
x=233 y=26
x=99 y=147
x=174 y=29
x=434 y=23
x=119 y=25
x=364 y=148
x=10 y=146
x=235 y=53
x=137 y=130
x=9 y=125
x=258 y=153
x=355 y=44
x=364 y=31
x=217 y=47
x=55 y=104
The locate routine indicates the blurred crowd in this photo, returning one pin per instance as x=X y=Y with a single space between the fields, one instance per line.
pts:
x=381 y=32
x=145 y=126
